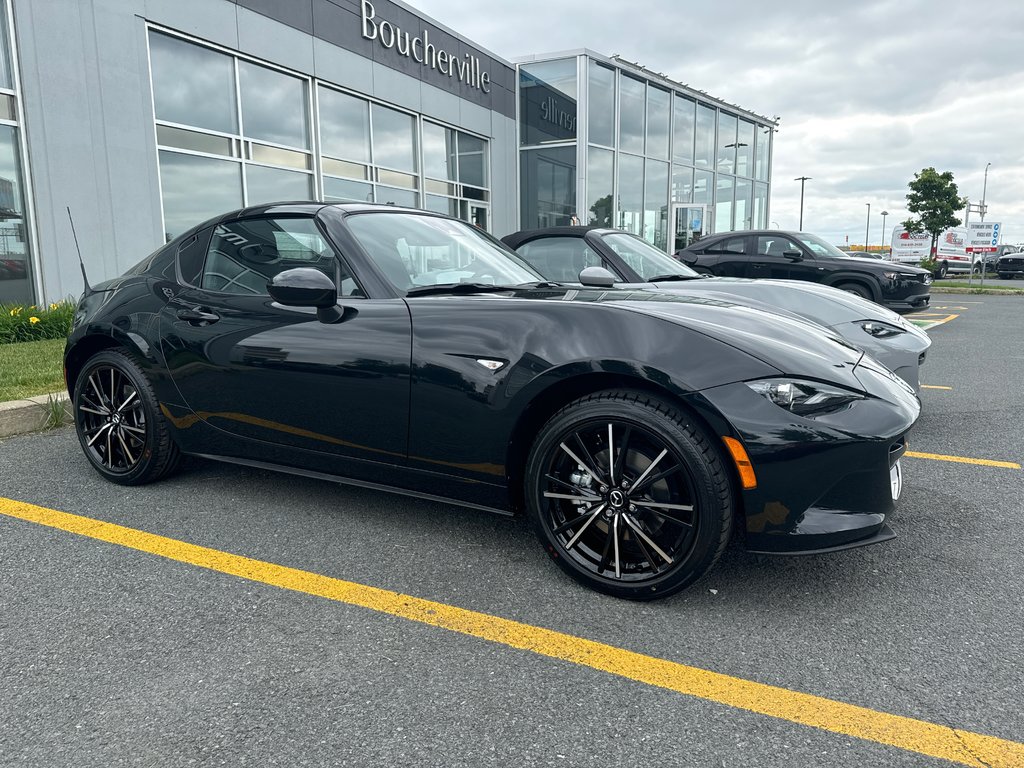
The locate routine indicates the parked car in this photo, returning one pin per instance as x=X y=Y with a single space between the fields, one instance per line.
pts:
x=1010 y=265
x=991 y=258
x=560 y=253
x=803 y=256
x=404 y=350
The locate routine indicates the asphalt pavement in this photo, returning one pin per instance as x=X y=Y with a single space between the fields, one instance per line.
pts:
x=111 y=656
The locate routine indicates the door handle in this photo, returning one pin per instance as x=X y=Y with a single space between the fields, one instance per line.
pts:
x=197 y=316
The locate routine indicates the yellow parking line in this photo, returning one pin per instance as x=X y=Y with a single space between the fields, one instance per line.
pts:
x=963 y=460
x=933 y=386
x=906 y=733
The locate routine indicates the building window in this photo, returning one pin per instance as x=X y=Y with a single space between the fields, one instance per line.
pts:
x=547 y=102
x=230 y=132
x=548 y=186
x=763 y=135
x=600 y=183
x=631 y=114
x=704 y=146
x=601 y=105
x=631 y=193
x=745 y=149
x=233 y=132
x=682 y=130
x=658 y=102
x=726 y=154
x=16 y=269
x=723 y=203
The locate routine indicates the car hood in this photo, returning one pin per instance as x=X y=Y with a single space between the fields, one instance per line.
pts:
x=788 y=344
x=818 y=303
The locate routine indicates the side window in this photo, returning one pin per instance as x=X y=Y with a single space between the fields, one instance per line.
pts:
x=560 y=258
x=775 y=245
x=191 y=255
x=728 y=245
x=244 y=255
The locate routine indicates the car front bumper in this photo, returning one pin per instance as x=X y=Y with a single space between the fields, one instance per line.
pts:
x=822 y=484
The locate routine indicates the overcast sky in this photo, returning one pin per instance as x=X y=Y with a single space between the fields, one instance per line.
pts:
x=868 y=92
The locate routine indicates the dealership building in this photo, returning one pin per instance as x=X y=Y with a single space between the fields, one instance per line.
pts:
x=145 y=117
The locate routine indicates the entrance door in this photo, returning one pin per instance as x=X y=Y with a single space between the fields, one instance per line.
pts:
x=688 y=225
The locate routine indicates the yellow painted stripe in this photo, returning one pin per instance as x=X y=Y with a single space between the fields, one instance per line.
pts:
x=906 y=733
x=963 y=460
x=933 y=386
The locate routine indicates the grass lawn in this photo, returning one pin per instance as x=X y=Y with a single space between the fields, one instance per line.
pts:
x=31 y=368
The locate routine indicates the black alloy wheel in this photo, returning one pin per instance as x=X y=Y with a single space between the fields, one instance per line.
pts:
x=118 y=422
x=629 y=496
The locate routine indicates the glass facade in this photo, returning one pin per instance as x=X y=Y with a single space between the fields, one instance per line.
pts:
x=232 y=132
x=16 y=274
x=645 y=150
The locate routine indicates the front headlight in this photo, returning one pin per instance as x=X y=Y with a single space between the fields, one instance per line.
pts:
x=881 y=330
x=805 y=398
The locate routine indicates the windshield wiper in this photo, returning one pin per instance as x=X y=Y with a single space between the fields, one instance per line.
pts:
x=457 y=288
x=668 y=278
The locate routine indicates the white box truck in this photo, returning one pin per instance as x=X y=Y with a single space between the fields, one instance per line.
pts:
x=950 y=252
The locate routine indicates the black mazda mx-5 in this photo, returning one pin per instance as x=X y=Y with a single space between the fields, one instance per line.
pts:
x=404 y=350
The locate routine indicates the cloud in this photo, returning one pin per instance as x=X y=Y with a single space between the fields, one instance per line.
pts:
x=869 y=92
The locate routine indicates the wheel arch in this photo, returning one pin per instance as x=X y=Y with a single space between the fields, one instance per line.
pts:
x=870 y=284
x=88 y=345
x=556 y=396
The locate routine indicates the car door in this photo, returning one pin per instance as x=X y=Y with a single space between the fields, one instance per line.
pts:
x=252 y=368
x=782 y=258
x=728 y=257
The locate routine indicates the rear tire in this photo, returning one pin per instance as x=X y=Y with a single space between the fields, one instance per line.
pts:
x=628 y=495
x=118 y=421
x=941 y=271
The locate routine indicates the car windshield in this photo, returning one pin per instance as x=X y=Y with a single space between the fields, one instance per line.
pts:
x=644 y=259
x=415 y=250
x=820 y=248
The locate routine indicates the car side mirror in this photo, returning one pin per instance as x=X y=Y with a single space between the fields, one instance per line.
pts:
x=687 y=257
x=793 y=255
x=597 y=277
x=305 y=287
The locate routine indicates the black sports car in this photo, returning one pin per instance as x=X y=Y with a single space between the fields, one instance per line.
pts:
x=803 y=256
x=404 y=350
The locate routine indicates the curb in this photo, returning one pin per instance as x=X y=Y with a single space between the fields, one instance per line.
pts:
x=17 y=417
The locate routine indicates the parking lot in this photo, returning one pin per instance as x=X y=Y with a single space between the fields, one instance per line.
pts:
x=157 y=644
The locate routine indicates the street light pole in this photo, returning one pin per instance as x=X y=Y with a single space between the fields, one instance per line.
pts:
x=884 y=214
x=984 y=189
x=867 y=228
x=802 y=179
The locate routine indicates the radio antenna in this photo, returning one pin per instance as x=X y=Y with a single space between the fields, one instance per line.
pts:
x=88 y=288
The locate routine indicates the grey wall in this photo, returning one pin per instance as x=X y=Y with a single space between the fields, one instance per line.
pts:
x=88 y=116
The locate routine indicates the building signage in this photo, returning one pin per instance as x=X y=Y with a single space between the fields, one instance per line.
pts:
x=419 y=48
x=983 y=237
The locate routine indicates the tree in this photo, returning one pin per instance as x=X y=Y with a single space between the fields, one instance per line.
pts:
x=601 y=212
x=935 y=200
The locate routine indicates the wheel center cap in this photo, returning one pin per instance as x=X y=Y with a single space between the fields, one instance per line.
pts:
x=617 y=498
x=116 y=419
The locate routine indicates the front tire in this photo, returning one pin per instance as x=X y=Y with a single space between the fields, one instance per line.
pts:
x=941 y=271
x=628 y=495
x=118 y=421
x=856 y=289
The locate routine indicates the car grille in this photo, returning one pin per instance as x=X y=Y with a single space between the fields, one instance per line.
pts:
x=1015 y=262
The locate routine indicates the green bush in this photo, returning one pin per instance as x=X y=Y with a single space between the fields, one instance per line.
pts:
x=32 y=323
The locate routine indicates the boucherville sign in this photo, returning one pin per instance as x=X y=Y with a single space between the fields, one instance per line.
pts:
x=419 y=48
